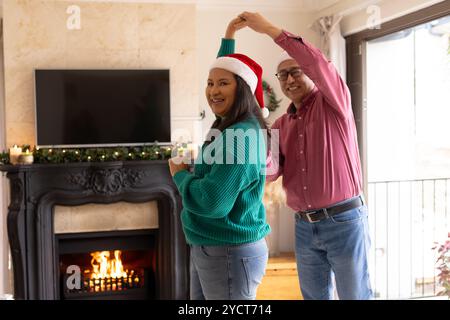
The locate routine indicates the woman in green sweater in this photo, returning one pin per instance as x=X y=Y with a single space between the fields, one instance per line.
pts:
x=223 y=216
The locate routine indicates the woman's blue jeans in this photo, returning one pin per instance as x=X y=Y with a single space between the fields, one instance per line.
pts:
x=227 y=272
x=339 y=245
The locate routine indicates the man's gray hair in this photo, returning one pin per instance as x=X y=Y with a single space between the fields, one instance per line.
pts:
x=283 y=57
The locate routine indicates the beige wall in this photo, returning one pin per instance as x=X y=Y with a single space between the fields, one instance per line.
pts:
x=112 y=35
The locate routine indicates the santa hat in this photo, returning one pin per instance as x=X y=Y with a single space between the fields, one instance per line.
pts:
x=248 y=70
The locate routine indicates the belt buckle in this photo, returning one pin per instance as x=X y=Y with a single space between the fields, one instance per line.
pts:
x=314 y=212
x=309 y=218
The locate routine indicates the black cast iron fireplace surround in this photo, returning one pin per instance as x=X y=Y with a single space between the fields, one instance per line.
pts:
x=37 y=188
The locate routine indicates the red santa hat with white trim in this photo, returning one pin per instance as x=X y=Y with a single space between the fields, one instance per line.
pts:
x=248 y=70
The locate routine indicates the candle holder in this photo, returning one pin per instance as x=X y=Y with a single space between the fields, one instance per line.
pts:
x=26 y=158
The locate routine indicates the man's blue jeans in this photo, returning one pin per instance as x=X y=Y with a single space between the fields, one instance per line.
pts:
x=227 y=272
x=339 y=245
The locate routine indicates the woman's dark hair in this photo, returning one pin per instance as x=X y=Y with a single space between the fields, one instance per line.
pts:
x=244 y=106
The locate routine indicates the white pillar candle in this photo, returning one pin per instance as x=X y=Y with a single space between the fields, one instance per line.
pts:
x=14 y=153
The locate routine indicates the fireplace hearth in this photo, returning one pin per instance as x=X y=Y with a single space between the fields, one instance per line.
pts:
x=149 y=263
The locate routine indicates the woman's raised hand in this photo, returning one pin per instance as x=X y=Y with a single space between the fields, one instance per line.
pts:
x=234 y=25
x=258 y=23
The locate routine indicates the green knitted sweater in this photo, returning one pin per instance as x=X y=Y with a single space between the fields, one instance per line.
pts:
x=222 y=202
x=226 y=47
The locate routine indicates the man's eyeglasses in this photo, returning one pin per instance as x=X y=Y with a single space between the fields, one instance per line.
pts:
x=284 y=74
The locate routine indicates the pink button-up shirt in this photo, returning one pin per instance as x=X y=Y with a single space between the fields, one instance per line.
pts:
x=318 y=151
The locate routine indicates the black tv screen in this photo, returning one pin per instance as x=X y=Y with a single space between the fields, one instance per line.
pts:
x=102 y=107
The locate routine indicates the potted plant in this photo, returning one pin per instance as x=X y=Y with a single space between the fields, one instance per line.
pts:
x=443 y=265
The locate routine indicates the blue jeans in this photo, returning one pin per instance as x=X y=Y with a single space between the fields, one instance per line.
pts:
x=227 y=272
x=338 y=245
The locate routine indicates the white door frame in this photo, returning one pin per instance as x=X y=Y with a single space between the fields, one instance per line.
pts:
x=5 y=286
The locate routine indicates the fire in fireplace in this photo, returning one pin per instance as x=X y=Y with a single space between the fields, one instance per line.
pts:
x=118 y=273
x=108 y=274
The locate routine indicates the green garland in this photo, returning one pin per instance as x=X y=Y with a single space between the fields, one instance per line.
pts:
x=274 y=103
x=4 y=157
x=67 y=155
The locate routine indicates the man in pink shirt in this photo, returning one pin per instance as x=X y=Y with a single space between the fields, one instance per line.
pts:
x=320 y=165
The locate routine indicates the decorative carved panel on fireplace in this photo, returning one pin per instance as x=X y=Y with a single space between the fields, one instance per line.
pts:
x=36 y=190
x=107 y=181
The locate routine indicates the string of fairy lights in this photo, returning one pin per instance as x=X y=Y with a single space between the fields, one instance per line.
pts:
x=68 y=155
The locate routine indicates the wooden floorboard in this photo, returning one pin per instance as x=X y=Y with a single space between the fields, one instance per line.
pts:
x=281 y=280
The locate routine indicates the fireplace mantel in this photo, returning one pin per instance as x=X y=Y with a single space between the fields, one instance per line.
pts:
x=37 y=188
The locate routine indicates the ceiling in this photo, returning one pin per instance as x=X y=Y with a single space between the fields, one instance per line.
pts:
x=297 y=5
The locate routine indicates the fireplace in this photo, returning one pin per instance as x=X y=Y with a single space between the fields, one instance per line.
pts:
x=52 y=263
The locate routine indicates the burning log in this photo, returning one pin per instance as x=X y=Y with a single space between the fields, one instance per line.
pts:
x=108 y=275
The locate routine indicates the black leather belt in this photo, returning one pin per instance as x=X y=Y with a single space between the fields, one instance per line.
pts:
x=320 y=214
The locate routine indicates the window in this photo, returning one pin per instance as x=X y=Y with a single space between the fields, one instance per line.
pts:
x=399 y=78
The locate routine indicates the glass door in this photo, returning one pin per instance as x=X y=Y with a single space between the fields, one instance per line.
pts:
x=408 y=157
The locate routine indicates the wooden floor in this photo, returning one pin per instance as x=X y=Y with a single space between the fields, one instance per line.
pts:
x=281 y=280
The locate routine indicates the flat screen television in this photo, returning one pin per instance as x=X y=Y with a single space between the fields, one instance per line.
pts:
x=85 y=108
